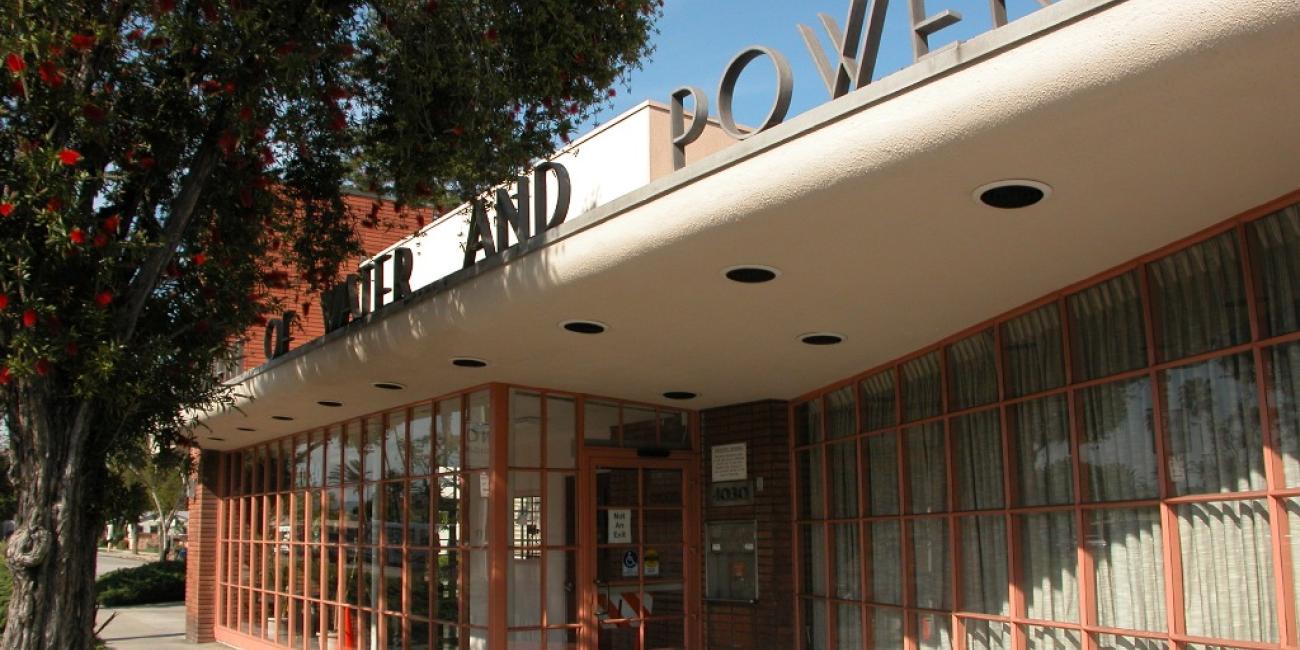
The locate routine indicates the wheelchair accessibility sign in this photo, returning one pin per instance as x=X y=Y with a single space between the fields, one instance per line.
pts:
x=630 y=564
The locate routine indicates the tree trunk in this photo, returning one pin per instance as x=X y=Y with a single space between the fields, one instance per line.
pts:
x=52 y=553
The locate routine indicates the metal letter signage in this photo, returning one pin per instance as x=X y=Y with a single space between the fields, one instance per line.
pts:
x=856 y=49
x=276 y=338
x=512 y=214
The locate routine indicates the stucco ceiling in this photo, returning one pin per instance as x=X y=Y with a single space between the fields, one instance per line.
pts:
x=1151 y=120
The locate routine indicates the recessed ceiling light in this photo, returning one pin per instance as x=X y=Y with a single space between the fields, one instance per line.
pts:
x=680 y=394
x=750 y=274
x=1012 y=194
x=821 y=338
x=246 y=428
x=330 y=403
x=468 y=362
x=216 y=439
x=282 y=418
x=584 y=326
x=389 y=385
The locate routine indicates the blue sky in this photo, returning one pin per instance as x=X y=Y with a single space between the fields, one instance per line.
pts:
x=697 y=38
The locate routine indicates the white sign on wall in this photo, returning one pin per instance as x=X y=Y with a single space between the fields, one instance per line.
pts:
x=620 y=526
x=730 y=462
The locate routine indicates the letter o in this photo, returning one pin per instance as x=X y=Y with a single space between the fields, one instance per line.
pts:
x=727 y=89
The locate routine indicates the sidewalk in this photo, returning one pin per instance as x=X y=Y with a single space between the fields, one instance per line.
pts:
x=155 y=627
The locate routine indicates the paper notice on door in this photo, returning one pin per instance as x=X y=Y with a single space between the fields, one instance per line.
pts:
x=620 y=526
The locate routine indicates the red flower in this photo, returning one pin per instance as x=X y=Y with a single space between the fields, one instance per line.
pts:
x=286 y=48
x=103 y=298
x=338 y=121
x=77 y=236
x=612 y=92
x=337 y=92
x=70 y=349
x=15 y=63
x=69 y=157
x=50 y=74
x=6 y=209
x=43 y=367
x=166 y=6
x=228 y=142
x=490 y=34
x=100 y=240
x=83 y=42
x=146 y=162
x=29 y=318
x=4 y=301
x=54 y=204
x=5 y=377
x=245 y=114
x=457 y=131
x=112 y=222
x=135 y=35
x=199 y=259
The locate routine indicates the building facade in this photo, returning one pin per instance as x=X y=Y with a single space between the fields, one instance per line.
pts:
x=996 y=352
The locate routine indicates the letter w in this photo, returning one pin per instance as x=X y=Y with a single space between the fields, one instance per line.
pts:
x=853 y=70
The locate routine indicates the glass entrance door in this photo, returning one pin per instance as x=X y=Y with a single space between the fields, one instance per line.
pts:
x=641 y=558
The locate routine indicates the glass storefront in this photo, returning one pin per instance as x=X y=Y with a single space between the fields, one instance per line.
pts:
x=1113 y=467
x=382 y=532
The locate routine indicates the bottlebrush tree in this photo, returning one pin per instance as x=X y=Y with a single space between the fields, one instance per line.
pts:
x=157 y=157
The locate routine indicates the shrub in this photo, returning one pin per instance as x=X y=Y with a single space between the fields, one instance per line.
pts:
x=156 y=582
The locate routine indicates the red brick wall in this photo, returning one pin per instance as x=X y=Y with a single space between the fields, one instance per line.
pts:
x=201 y=551
x=387 y=230
x=768 y=623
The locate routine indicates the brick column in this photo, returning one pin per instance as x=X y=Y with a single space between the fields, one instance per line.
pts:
x=201 y=553
x=768 y=623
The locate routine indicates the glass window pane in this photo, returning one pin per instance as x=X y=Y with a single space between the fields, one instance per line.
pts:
x=449 y=435
x=886 y=563
x=372 y=458
x=880 y=462
x=525 y=429
x=1052 y=638
x=922 y=387
x=811 y=503
x=395 y=445
x=879 y=409
x=932 y=573
x=987 y=635
x=524 y=588
x=1212 y=418
x=1031 y=351
x=926 y=469
x=674 y=430
x=600 y=423
x=847 y=570
x=302 y=460
x=1117 y=450
x=842 y=459
x=447 y=596
x=1107 y=331
x=561 y=600
x=808 y=422
x=478 y=430
x=1048 y=566
x=841 y=418
x=1128 y=567
x=1293 y=528
x=560 y=527
x=1284 y=397
x=421 y=440
x=1275 y=255
x=848 y=626
x=812 y=560
x=972 y=372
x=639 y=427
x=1227 y=570
x=1198 y=300
x=983 y=557
x=1128 y=642
x=1040 y=431
x=977 y=460
x=815 y=625
x=933 y=632
x=886 y=628
x=353 y=441
x=419 y=527
x=561 y=433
